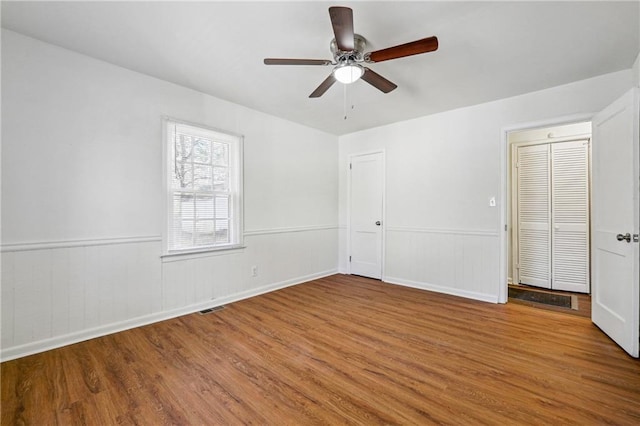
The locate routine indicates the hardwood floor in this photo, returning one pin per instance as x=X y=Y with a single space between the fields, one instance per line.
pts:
x=340 y=350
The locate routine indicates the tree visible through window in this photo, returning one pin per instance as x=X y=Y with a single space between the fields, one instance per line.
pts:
x=204 y=175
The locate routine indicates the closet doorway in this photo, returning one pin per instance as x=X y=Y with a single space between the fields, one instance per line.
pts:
x=550 y=192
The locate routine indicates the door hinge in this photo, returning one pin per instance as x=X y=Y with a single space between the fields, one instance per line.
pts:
x=350 y=166
x=505 y=226
x=349 y=258
x=635 y=238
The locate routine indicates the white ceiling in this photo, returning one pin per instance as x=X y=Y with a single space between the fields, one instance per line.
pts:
x=488 y=50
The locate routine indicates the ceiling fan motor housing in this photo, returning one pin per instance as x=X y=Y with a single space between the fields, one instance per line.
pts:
x=355 y=55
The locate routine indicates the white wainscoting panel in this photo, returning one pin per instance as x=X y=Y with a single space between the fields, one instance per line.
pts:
x=285 y=255
x=199 y=279
x=58 y=294
x=458 y=262
x=281 y=256
x=48 y=292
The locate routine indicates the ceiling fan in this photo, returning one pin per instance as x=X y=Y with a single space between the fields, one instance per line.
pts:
x=348 y=55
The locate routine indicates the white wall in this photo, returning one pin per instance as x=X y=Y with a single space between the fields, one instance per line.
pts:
x=441 y=172
x=636 y=71
x=82 y=200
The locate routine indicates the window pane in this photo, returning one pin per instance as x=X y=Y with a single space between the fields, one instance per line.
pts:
x=182 y=223
x=204 y=233
x=220 y=154
x=222 y=207
x=222 y=231
x=183 y=148
x=204 y=207
x=202 y=151
x=203 y=178
x=185 y=208
x=182 y=176
x=221 y=179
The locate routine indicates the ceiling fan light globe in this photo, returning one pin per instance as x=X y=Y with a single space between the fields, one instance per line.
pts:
x=347 y=74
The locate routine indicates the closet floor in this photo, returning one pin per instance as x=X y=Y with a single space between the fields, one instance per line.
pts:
x=583 y=301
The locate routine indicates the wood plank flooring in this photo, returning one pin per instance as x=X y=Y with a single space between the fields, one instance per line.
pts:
x=339 y=350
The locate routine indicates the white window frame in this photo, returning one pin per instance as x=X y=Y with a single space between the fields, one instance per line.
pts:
x=236 y=143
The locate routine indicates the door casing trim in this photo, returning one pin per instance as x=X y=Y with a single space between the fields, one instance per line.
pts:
x=506 y=198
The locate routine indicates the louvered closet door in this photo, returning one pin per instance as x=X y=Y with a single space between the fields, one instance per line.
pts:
x=534 y=215
x=570 y=216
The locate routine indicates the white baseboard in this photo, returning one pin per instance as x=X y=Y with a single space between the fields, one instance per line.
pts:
x=7 y=354
x=492 y=298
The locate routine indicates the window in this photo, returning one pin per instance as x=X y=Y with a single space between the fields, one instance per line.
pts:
x=203 y=188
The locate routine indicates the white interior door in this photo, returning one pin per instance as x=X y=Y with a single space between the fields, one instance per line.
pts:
x=365 y=215
x=615 y=257
x=570 y=216
x=534 y=215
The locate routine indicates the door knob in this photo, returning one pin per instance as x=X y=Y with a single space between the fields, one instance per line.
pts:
x=378 y=222
x=626 y=237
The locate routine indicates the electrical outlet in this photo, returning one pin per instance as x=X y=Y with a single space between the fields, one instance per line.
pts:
x=254 y=271
x=492 y=202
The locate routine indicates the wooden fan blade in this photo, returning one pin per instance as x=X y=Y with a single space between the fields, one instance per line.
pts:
x=342 y=22
x=283 y=61
x=425 y=45
x=377 y=81
x=324 y=86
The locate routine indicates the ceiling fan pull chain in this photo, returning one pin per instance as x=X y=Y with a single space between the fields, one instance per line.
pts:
x=344 y=99
x=351 y=100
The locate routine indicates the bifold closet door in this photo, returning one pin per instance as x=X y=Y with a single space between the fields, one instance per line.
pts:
x=553 y=215
x=534 y=215
x=570 y=216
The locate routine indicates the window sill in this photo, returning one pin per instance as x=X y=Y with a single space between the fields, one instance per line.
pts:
x=196 y=254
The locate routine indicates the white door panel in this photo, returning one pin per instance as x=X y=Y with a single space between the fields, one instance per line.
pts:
x=570 y=216
x=365 y=255
x=571 y=258
x=365 y=215
x=616 y=281
x=534 y=215
x=612 y=256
